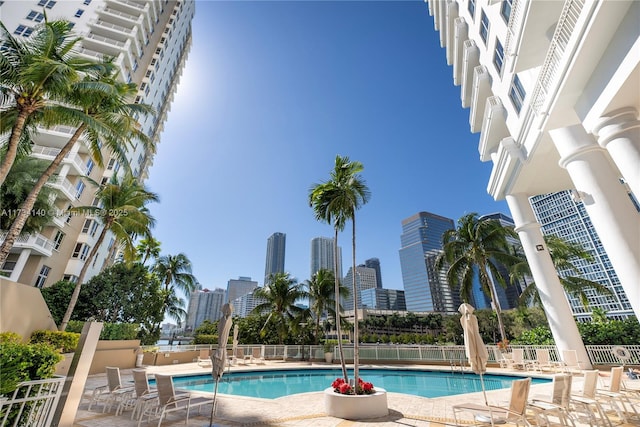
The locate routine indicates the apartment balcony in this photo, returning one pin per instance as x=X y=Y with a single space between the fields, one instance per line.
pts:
x=481 y=91
x=109 y=28
x=56 y=136
x=529 y=32
x=49 y=153
x=107 y=45
x=65 y=187
x=461 y=33
x=119 y=18
x=128 y=6
x=35 y=241
x=494 y=128
x=470 y=60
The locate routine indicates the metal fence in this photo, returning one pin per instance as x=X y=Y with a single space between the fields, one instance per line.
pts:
x=449 y=355
x=32 y=404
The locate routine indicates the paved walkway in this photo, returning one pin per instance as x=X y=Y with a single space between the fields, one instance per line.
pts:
x=300 y=410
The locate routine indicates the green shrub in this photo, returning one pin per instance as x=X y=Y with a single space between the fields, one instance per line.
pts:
x=205 y=339
x=110 y=331
x=25 y=362
x=6 y=337
x=65 y=342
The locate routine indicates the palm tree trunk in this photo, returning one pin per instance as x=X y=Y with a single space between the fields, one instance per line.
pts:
x=337 y=298
x=12 y=147
x=25 y=208
x=496 y=305
x=356 y=337
x=83 y=272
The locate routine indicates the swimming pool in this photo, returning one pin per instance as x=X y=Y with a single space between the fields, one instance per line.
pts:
x=278 y=383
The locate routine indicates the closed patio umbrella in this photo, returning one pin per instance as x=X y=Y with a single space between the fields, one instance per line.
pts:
x=219 y=356
x=474 y=347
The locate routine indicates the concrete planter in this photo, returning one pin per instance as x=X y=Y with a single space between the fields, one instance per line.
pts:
x=356 y=407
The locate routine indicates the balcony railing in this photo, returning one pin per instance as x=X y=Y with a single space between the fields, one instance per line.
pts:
x=51 y=152
x=31 y=241
x=121 y=14
x=116 y=27
x=34 y=402
x=105 y=40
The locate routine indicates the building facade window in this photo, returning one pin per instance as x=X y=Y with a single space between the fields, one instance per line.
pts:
x=35 y=16
x=498 y=57
x=86 y=226
x=111 y=164
x=57 y=240
x=90 y=165
x=505 y=10
x=70 y=278
x=517 y=93
x=86 y=2
x=23 y=31
x=79 y=189
x=484 y=27
x=79 y=13
x=471 y=6
x=47 y=3
x=42 y=277
x=80 y=251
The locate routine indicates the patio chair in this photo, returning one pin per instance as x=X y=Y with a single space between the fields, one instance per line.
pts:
x=169 y=401
x=586 y=403
x=500 y=358
x=112 y=393
x=240 y=356
x=558 y=405
x=517 y=359
x=570 y=362
x=542 y=361
x=143 y=394
x=615 y=397
x=256 y=356
x=204 y=358
x=231 y=358
x=515 y=412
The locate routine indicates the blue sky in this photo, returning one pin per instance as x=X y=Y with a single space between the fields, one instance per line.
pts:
x=271 y=93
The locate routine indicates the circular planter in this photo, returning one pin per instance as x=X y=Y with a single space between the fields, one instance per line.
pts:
x=352 y=407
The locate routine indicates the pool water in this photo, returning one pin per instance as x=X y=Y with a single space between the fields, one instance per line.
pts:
x=273 y=384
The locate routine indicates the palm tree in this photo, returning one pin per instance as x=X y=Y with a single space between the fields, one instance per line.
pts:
x=478 y=247
x=122 y=210
x=35 y=77
x=175 y=273
x=562 y=252
x=280 y=294
x=102 y=114
x=336 y=202
x=148 y=248
x=321 y=296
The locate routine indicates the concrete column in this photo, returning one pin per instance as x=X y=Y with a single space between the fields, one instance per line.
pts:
x=614 y=216
x=554 y=301
x=619 y=133
x=22 y=260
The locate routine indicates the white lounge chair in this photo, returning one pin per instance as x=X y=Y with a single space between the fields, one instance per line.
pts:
x=112 y=393
x=515 y=412
x=615 y=397
x=256 y=355
x=570 y=362
x=204 y=358
x=585 y=402
x=558 y=405
x=543 y=361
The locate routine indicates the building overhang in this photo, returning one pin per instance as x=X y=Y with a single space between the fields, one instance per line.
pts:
x=470 y=60
x=452 y=15
x=481 y=91
x=461 y=33
x=494 y=128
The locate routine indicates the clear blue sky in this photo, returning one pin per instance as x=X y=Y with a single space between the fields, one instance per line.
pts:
x=271 y=93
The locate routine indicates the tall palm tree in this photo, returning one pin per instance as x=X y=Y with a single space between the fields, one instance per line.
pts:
x=336 y=202
x=175 y=273
x=477 y=248
x=35 y=75
x=148 y=248
x=122 y=210
x=322 y=297
x=280 y=294
x=103 y=115
x=562 y=253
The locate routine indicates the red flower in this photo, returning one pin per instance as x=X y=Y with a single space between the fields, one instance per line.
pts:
x=367 y=387
x=345 y=388
x=337 y=383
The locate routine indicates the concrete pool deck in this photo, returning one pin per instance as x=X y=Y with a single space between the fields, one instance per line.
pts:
x=306 y=409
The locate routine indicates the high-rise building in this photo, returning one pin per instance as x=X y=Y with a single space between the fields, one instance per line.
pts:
x=565 y=216
x=383 y=299
x=207 y=305
x=365 y=279
x=239 y=287
x=375 y=264
x=552 y=89
x=276 y=244
x=322 y=255
x=425 y=288
x=243 y=305
x=149 y=41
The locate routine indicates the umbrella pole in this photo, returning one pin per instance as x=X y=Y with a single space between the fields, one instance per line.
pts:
x=213 y=406
x=484 y=392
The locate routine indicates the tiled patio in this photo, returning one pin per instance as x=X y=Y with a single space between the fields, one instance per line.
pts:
x=298 y=410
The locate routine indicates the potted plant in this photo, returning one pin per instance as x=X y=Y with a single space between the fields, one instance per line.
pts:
x=328 y=352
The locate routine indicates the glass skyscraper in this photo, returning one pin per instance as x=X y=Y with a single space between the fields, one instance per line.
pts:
x=275 y=255
x=375 y=264
x=425 y=288
x=322 y=255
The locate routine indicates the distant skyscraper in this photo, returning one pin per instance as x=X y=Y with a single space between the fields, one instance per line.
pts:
x=204 y=305
x=275 y=255
x=560 y=215
x=383 y=299
x=243 y=305
x=365 y=279
x=239 y=287
x=425 y=288
x=375 y=264
x=322 y=255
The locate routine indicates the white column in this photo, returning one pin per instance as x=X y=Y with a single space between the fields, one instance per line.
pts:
x=554 y=301
x=619 y=133
x=614 y=216
x=17 y=270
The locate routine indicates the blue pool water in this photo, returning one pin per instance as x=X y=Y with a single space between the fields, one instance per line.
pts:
x=279 y=383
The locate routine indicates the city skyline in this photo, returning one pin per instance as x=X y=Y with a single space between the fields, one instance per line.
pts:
x=288 y=86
